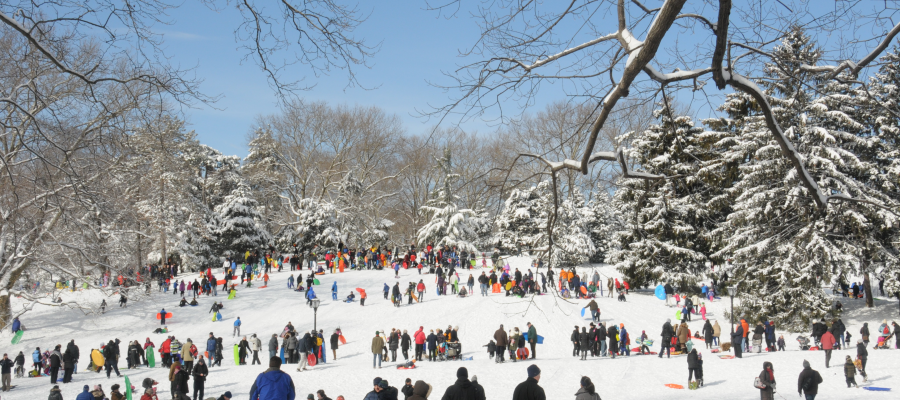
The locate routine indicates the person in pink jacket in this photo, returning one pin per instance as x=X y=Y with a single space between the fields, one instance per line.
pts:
x=419 y=338
x=703 y=311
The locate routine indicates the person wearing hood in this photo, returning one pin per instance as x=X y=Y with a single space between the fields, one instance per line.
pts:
x=199 y=373
x=405 y=342
x=587 y=390
x=708 y=334
x=56 y=394
x=808 y=381
x=767 y=379
x=667 y=334
x=694 y=370
x=864 y=332
x=529 y=389
x=407 y=389
x=612 y=333
x=463 y=389
x=863 y=355
x=273 y=383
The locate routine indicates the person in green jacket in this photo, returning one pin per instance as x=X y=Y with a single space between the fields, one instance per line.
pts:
x=532 y=339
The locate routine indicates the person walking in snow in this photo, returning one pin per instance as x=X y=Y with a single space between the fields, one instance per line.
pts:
x=767 y=380
x=237 y=327
x=667 y=334
x=808 y=381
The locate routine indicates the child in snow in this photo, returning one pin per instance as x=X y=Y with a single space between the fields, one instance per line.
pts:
x=703 y=311
x=850 y=372
x=491 y=348
x=781 y=343
x=621 y=296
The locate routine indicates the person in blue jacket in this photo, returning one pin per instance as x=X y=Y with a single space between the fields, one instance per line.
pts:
x=85 y=394
x=291 y=282
x=387 y=290
x=310 y=294
x=16 y=324
x=211 y=349
x=237 y=327
x=623 y=340
x=36 y=358
x=273 y=383
x=162 y=316
x=334 y=290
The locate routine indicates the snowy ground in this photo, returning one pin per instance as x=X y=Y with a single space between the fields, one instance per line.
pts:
x=266 y=311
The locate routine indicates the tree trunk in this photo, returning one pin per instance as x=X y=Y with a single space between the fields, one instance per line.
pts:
x=138 y=237
x=868 y=290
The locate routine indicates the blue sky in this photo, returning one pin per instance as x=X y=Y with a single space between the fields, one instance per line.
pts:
x=417 y=45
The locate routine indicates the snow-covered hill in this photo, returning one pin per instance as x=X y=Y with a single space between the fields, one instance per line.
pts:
x=267 y=311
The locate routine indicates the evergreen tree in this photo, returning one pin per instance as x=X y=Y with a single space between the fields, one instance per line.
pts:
x=785 y=250
x=522 y=224
x=603 y=223
x=666 y=222
x=313 y=224
x=240 y=224
x=448 y=225
x=572 y=244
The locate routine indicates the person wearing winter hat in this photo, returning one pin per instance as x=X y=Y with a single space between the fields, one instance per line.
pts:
x=273 y=383
x=320 y=395
x=84 y=395
x=808 y=381
x=225 y=396
x=530 y=390
x=55 y=394
x=463 y=388
x=373 y=395
x=377 y=348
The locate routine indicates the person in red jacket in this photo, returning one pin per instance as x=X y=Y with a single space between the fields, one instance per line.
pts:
x=421 y=289
x=164 y=352
x=419 y=338
x=828 y=345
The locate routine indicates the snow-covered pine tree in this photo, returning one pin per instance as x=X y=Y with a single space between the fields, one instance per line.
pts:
x=666 y=222
x=572 y=244
x=240 y=224
x=265 y=175
x=603 y=223
x=448 y=225
x=522 y=224
x=783 y=248
x=313 y=224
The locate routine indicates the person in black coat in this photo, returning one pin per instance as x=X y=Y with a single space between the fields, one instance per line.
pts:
x=70 y=357
x=584 y=342
x=55 y=362
x=575 y=338
x=708 y=334
x=863 y=356
x=180 y=383
x=243 y=350
x=407 y=389
x=601 y=340
x=736 y=338
x=199 y=372
x=110 y=353
x=335 y=338
x=694 y=367
x=405 y=342
x=463 y=388
x=530 y=390
x=613 y=343
x=667 y=334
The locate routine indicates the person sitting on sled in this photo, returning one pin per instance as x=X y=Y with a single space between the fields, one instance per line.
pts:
x=350 y=298
x=182 y=303
x=407 y=365
x=194 y=301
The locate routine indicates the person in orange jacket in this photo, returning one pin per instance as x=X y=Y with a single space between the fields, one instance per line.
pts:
x=744 y=342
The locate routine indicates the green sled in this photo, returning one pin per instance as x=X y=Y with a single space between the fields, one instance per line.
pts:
x=151 y=357
x=127 y=388
x=315 y=281
x=237 y=355
x=18 y=336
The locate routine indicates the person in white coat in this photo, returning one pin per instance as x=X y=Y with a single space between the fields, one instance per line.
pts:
x=255 y=345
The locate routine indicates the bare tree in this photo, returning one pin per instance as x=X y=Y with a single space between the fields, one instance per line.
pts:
x=525 y=44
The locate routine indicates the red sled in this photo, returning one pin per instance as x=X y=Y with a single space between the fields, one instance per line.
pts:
x=522 y=353
x=263 y=287
x=402 y=367
x=311 y=360
x=341 y=338
x=714 y=351
x=814 y=348
x=168 y=315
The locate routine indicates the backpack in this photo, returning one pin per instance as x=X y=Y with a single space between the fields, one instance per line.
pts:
x=193 y=350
